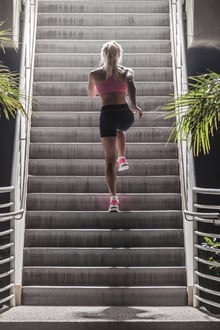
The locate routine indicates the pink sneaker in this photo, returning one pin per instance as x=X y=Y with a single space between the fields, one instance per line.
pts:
x=113 y=207
x=122 y=164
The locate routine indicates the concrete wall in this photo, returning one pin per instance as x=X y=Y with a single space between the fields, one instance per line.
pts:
x=206 y=20
x=203 y=54
x=9 y=12
x=6 y=12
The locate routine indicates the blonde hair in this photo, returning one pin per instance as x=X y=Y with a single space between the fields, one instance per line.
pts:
x=111 y=55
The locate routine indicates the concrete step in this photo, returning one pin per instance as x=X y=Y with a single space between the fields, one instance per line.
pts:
x=94 y=46
x=66 y=6
x=91 y=119
x=104 y=238
x=92 y=60
x=80 y=74
x=104 y=296
x=108 y=318
x=97 y=184
x=80 y=88
x=87 y=134
x=94 y=151
x=112 y=257
x=103 y=19
x=103 y=276
x=102 y=220
x=144 y=167
x=106 y=33
x=100 y=202
x=85 y=104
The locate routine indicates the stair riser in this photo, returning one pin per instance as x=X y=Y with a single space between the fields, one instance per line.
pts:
x=68 y=89
x=89 y=238
x=154 y=296
x=100 y=20
x=104 y=33
x=104 y=276
x=81 y=74
x=96 y=167
x=91 y=119
x=104 y=257
x=98 y=185
x=91 y=151
x=84 y=104
x=66 y=134
x=92 y=60
x=94 y=46
x=102 y=220
x=106 y=7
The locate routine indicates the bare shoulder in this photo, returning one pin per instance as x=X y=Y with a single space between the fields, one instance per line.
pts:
x=96 y=73
x=129 y=74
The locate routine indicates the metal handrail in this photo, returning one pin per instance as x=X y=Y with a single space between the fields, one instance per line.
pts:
x=8 y=246
x=200 y=259
x=22 y=135
x=187 y=177
x=22 y=130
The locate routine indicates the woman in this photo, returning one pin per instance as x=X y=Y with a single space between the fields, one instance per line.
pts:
x=112 y=82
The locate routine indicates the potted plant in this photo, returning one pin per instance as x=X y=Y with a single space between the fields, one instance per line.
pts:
x=198 y=111
x=9 y=83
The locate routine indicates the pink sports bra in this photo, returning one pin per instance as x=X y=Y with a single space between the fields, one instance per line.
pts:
x=111 y=85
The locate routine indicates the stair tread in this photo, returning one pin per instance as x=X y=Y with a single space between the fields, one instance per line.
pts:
x=111 y=268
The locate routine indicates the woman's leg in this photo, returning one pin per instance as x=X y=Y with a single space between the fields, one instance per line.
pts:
x=109 y=147
x=120 y=143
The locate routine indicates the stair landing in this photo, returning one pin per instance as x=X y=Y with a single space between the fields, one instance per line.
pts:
x=107 y=318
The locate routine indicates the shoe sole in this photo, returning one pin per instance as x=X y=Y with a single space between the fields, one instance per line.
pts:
x=123 y=168
x=115 y=210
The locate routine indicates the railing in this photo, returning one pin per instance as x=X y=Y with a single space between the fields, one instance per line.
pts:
x=22 y=133
x=185 y=157
x=197 y=231
x=206 y=265
x=7 y=246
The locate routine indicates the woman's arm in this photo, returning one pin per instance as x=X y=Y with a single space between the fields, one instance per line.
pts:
x=132 y=92
x=92 y=91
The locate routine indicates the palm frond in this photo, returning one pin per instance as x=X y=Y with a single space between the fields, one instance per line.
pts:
x=198 y=112
x=6 y=37
x=9 y=94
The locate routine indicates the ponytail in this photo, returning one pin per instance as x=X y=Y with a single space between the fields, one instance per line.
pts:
x=111 y=55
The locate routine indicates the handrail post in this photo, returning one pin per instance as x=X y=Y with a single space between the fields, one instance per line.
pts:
x=12 y=249
x=180 y=88
x=195 y=266
x=22 y=135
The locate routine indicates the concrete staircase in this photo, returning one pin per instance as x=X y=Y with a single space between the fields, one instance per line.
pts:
x=75 y=252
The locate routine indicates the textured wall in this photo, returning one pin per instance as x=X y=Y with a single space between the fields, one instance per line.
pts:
x=6 y=13
x=12 y=60
x=206 y=20
x=203 y=55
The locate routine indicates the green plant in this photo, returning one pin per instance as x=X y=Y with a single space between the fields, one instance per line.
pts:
x=198 y=112
x=212 y=243
x=9 y=84
x=5 y=36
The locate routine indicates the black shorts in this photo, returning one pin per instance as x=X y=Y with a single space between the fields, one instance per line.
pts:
x=113 y=118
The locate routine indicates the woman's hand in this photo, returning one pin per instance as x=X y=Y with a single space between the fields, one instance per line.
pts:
x=138 y=111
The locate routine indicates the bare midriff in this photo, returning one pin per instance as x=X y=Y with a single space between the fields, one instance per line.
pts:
x=113 y=98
